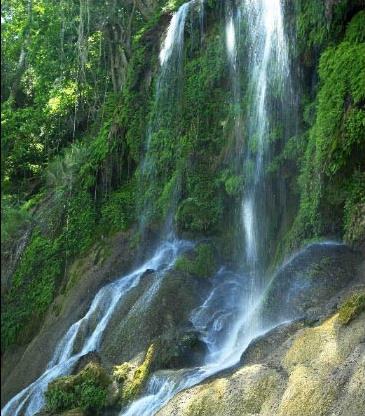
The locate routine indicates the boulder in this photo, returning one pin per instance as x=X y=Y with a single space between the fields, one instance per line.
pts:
x=305 y=283
x=157 y=311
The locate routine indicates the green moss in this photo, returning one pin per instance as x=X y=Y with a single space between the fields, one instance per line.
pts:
x=13 y=221
x=199 y=214
x=202 y=265
x=87 y=390
x=355 y=32
x=354 y=211
x=79 y=232
x=336 y=145
x=183 y=160
x=33 y=287
x=319 y=23
x=133 y=381
x=351 y=308
x=117 y=212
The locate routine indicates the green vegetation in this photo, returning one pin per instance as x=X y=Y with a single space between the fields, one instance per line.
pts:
x=132 y=380
x=90 y=390
x=33 y=287
x=79 y=101
x=351 y=308
x=331 y=187
x=86 y=390
x=68 y=156
x=202 y=265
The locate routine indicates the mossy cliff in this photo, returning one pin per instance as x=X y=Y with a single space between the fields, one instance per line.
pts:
x=329 y=153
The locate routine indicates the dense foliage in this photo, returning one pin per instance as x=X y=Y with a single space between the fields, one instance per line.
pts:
x=86 y=390
x=82 y=125
x=332 y=185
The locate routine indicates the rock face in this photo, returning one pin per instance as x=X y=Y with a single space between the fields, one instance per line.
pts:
x=309 y=367
x=157 y=311
x=317 y=371
x=302 y=287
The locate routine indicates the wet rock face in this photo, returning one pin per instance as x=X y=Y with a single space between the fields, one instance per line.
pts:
x=305 y=283
x=85 y=277
x=296 y=370
x=157 y=311
x=268 y=345
x=304 y=367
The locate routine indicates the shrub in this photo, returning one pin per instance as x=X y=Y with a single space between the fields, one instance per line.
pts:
x=86 y=390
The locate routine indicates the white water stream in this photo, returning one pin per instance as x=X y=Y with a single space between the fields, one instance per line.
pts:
x=228 y=320
x=225 y=320
x=90 y=329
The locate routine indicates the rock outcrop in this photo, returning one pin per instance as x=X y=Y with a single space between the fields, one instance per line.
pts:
x=312 y=366
x=316 y=371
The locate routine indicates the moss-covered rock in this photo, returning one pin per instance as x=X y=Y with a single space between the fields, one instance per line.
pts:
x=131 y=380
x=309 y=280
x=351 y=308
x=313 y=371
x=332 y=191
x=179 y=348
x=156 y=311
x=87 y=390
x=200 y=263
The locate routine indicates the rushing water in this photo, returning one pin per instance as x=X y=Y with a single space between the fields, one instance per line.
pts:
x=269 y=69
x=228 y=319
x=90 y=329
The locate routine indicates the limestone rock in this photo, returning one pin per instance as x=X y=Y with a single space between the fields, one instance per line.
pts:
x=319 y=372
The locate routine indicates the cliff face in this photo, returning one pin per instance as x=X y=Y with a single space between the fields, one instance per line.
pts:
x=101 y=170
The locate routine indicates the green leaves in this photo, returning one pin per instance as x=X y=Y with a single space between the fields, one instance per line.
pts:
x=32 y=290
x=334 y=157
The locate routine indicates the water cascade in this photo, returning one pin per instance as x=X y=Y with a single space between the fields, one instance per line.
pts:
x=229 y=318
x=165 y=111
x=269 y=70
x=225 y=318
x=90 y=328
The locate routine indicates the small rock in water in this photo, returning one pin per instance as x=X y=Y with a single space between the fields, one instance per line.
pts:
x=147 y=273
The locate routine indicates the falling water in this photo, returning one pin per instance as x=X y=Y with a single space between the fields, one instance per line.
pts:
x=165 y=111
x=224 y=319
x=227 y=320
x=90 y=329
x=269 y=70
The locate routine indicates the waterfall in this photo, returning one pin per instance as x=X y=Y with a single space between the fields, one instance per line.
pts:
x=225 y=318
x=228 y=320
x=90 y=328
x=269 y=69
x=165 y=112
